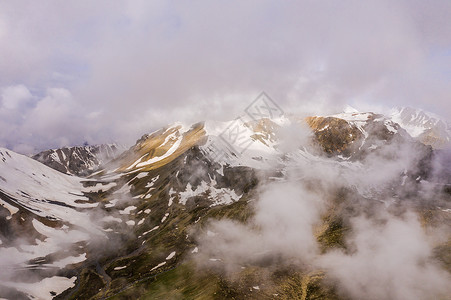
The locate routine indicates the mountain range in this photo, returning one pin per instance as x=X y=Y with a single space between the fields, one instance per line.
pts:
x=158 y=220
x=79 y=160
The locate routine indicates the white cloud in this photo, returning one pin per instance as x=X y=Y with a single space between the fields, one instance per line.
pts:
x=392 y=260
x=30 y=122
x=13 y=97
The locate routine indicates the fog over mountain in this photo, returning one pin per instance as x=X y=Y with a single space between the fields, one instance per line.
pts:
x=343 y=206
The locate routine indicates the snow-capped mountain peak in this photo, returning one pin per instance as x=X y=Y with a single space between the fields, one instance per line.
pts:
x=426 y=127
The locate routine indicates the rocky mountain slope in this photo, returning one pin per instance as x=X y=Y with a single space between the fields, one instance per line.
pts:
x=156 y=221
x=79 y=160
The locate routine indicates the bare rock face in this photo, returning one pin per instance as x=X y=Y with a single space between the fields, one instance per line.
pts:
x=354 y=135
x=78 y=160
x=334 y=135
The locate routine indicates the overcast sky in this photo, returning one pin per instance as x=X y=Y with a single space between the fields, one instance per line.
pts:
x=102 y=71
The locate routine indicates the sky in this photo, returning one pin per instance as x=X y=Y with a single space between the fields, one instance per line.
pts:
x=110 y=71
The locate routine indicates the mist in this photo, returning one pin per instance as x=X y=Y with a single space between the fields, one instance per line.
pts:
x=387 y=250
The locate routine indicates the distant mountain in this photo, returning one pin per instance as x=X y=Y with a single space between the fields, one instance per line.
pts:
x=354 y=133
x=79 y=160
x=426 y=127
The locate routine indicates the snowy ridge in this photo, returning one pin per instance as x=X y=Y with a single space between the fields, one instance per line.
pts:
x=52 y=204
x=426 y=127
x=159 y=147
x=40 y=189
x=416 y=121
x=256 y=146
x=218 y=196
x=79 y=160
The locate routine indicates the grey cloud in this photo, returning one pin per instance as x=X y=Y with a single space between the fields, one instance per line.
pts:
x=144 y=64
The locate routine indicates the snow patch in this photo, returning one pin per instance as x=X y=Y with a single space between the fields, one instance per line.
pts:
x=111 y=203
x=12 y=209
x=42 y=289
x=111 y=219
x=99 y=187
x=165 y=217
x=142 y=175
x=170 y=255
x=69 y=261
x=155 y=228
x=127 y=210
x=157 y=266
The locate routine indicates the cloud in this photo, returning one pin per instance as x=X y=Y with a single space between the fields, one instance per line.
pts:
x=386 y=252
x=15 y=96
x=30 y=122
x=280 y=229
x=391 y=260
x=146 y=64
x=388 y=256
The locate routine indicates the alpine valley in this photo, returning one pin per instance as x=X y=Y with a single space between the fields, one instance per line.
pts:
x=190 y=212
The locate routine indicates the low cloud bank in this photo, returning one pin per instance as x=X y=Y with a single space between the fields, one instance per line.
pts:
x=388 y=247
